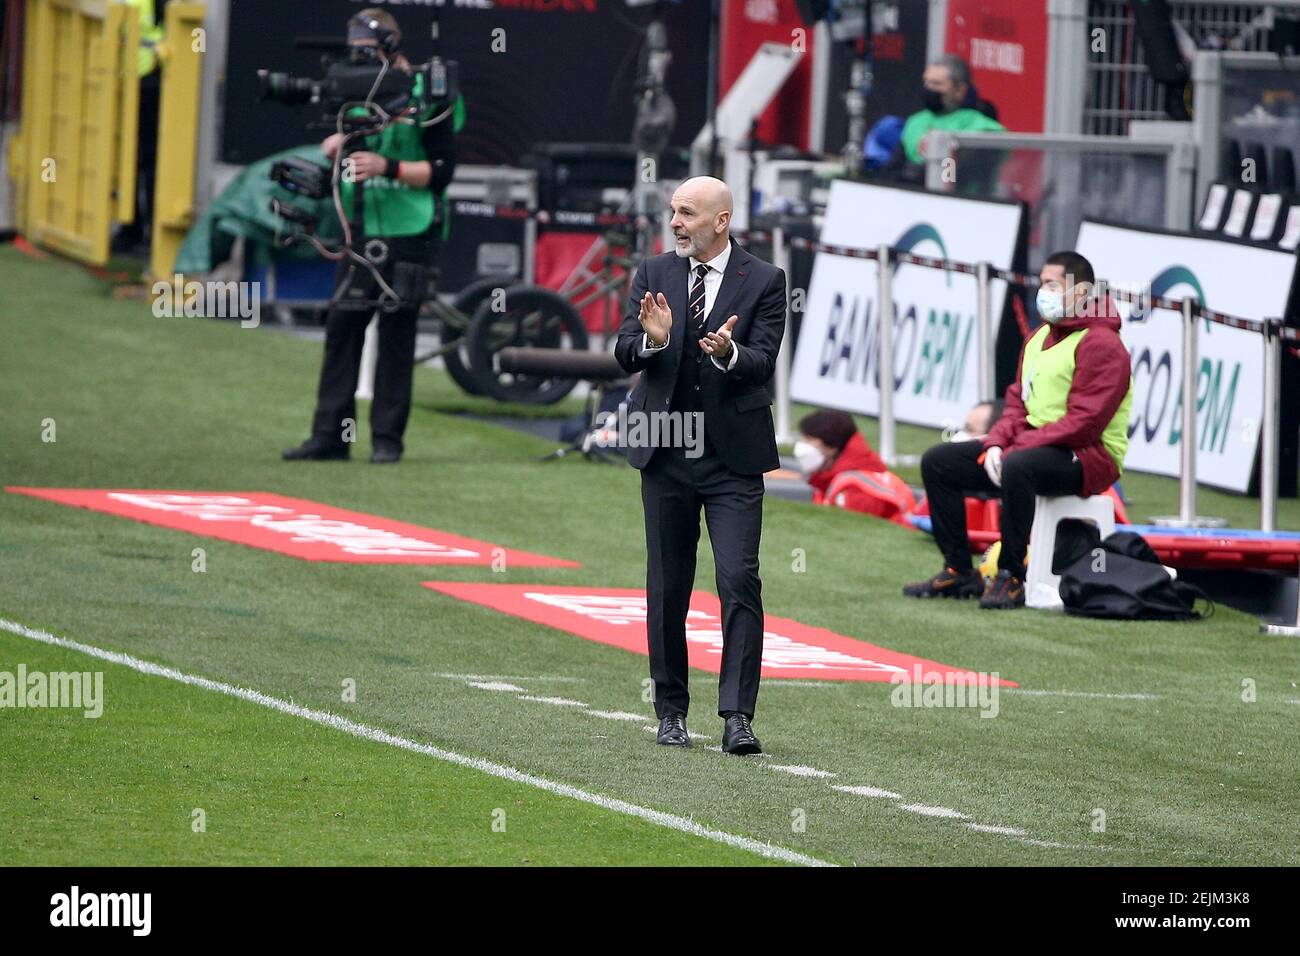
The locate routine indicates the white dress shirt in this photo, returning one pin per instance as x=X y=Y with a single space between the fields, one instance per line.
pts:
x=712 y=283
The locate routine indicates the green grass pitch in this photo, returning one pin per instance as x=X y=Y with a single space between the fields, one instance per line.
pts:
x=1187 y=747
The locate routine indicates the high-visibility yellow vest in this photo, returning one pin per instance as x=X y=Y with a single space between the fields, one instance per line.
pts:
x=151 y=35
x=1045 y=379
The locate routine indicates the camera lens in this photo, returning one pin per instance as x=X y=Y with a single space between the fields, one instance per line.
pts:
x=284 y=88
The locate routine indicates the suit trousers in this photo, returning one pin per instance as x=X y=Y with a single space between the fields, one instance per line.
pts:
x=673 y=487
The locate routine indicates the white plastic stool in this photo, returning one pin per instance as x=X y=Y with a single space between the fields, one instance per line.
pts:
x=1042 y=587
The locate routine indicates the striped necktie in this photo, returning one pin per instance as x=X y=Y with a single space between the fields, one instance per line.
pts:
x=696 y=307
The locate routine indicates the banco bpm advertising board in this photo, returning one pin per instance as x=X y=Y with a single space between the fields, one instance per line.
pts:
x=936 y=364
x=1228 y=277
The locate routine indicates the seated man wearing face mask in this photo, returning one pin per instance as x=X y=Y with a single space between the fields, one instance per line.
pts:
x=1063 y=431
x=843 y=469
x=979 y=420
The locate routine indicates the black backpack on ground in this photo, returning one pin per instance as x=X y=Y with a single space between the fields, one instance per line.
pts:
x=1120 y=578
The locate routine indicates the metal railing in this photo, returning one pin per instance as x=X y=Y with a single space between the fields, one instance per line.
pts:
x=1120 y=88
x=1119 y=191
x=1211 y=74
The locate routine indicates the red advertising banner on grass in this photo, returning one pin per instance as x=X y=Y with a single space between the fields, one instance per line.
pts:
x=617 y=616
x=293 y=526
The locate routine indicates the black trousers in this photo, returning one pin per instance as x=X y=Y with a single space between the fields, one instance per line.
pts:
x=345 y=331
x=673 y=487
x=951 y=471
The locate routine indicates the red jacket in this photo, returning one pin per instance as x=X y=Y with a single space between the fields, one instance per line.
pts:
x=856 y=455
x=1101 y=380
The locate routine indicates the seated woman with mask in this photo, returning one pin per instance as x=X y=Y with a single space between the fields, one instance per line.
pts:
x=844 y=471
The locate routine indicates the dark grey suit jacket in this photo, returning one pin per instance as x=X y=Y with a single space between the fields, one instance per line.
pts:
x=737 y=403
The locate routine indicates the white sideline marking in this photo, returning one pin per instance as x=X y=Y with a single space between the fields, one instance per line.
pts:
x=522 y=677
x=799 y=771
x=949 y=813
x=867 y=792
x=1079 y=693
x=615 y=715
x=326 y=719
x=990 y=828
x=557 y=701
x=719 y=750
x=494 y=685
x=927 y=811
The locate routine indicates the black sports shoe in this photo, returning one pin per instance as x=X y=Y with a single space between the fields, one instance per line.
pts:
x=949 y=583
x=672 y=731
x=1005 y=592
x=318 y=449
x=385 y=456
x=739 y=737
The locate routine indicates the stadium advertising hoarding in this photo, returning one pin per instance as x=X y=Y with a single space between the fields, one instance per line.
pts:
x=936 y=364
x=1228 y=277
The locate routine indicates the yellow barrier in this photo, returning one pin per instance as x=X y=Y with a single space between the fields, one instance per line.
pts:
x=73 y=161
x=181 y=56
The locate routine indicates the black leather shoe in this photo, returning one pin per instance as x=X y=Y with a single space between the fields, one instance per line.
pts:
x=315 y=449
x=385 y=456
x=672 y=731
x=739 y=737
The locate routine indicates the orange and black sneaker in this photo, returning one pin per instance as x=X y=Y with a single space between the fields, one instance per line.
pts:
x=949 y=583
x=1005 y=592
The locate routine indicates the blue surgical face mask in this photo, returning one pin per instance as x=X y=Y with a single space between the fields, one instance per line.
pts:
x=1051 y=305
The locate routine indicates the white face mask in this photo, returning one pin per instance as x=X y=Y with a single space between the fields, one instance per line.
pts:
x=809 y=457
x=1051 y=305
x=961 y=435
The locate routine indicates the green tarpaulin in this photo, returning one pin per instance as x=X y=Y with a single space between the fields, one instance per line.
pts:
x=244 y=209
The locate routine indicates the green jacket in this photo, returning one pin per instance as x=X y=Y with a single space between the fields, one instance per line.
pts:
x=958 y=121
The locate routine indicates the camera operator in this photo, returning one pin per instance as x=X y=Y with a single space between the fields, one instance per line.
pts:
x=403 y=172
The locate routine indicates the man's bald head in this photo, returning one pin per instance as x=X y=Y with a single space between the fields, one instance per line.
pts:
x=709 y=191
x=702 y=207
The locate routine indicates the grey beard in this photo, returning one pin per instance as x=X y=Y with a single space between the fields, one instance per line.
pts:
x=691 y=249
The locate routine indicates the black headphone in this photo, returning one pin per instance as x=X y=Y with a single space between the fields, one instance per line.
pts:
x=386 y=39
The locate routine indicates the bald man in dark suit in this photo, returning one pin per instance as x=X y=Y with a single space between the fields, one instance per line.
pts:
x=703 y=325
